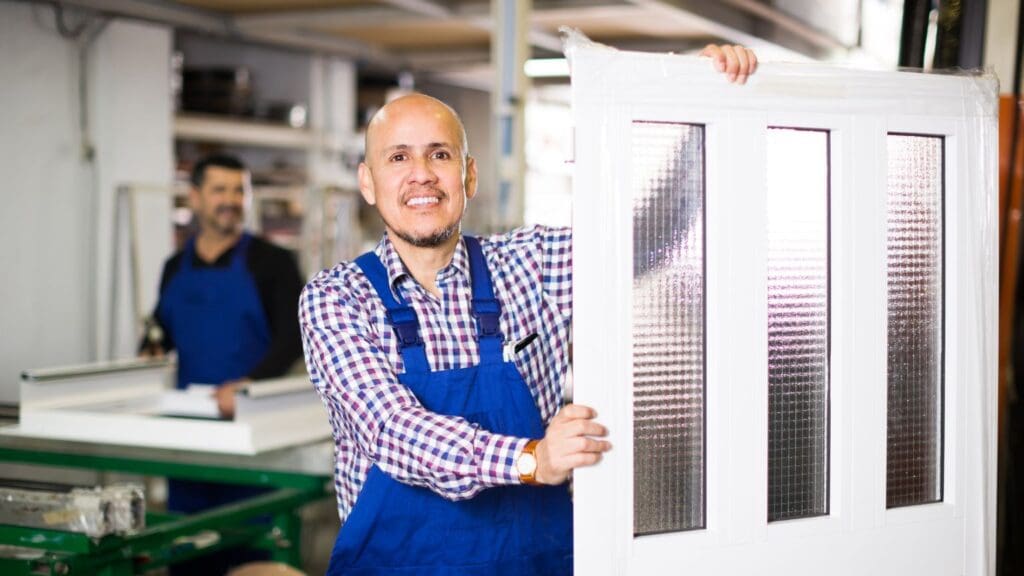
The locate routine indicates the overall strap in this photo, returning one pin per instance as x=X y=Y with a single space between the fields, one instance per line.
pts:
x=241 y=251
x=188 y=253
x=399 y=314
x=486 y=308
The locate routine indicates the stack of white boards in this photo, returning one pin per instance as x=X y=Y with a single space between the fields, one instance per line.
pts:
x=133 y=403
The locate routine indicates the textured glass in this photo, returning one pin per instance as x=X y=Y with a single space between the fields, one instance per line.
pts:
x=798 y=322
x=668 y=327
x=914 y=448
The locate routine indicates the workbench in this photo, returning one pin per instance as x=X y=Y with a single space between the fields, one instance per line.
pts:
x=299 y=475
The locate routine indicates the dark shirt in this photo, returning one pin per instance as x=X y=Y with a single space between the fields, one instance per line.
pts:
x=278 y=283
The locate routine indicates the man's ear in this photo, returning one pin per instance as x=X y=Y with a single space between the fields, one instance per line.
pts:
x=470 y=177
x=366 y=184
x=193 y=198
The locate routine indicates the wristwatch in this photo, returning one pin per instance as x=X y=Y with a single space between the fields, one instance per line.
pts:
x=526 y=464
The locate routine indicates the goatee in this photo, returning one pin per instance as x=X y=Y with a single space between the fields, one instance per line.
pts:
x=432 y=241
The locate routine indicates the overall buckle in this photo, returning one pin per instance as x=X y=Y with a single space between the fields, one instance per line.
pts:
x=488 y=317
x=406 y=325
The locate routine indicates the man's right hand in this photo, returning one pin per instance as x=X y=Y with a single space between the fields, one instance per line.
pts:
x=569 y=443
x=152 y=353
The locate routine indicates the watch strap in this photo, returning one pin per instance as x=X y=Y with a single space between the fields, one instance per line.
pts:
x=531 y=478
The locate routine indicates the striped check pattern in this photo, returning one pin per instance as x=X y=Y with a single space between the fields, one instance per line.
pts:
x=353 y=361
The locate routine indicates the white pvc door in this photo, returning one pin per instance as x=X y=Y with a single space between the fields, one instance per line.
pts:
x=785 y=304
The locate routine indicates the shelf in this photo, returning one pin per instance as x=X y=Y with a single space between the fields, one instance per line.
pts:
x=206 y=128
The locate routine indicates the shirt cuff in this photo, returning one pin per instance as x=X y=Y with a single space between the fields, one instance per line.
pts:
x=498 y=459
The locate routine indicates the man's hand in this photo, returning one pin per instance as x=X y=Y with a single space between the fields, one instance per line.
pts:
x=225 y=395
x=568 y=444
x=736 y=61
x=152 y=353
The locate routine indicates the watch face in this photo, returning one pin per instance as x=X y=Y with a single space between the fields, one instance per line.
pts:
x=526 y=464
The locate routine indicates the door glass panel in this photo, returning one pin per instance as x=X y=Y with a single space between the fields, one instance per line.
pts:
x=668 y=327
x=915 y=320
x=798 y=323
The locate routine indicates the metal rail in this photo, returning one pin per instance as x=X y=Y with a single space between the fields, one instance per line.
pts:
x=166 y=540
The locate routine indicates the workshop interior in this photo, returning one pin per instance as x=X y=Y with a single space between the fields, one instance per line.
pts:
x=796 y=300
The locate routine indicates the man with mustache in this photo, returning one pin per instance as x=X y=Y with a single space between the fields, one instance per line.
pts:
x=441 y=358
x=227 y=303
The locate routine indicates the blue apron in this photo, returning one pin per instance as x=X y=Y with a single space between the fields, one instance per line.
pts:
x=398 y=529
x=217 y=321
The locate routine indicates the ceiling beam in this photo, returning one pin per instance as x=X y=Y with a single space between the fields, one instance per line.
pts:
x=547 y=41
x=422 y=7
x=170 y=13
x=734 y=26
x=731 y=29
x=185 y=17
x=404 y=12
x=790 y=24
x=734 y=21
x=399 y=12
x=348 y=17
x=445 y=59
x=477 y=78
x=322 y=42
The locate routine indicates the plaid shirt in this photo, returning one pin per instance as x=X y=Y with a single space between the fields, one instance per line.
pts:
x=354 y=362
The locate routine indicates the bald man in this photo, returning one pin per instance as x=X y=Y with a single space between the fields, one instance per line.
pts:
x=440 y=358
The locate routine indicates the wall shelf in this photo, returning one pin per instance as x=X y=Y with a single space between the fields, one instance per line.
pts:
x=208 y=128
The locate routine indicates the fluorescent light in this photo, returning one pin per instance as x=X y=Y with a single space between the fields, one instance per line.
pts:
x=546 y=67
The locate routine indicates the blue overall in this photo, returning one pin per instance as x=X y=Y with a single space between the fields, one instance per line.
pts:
x=217 y=321
x=399 y=529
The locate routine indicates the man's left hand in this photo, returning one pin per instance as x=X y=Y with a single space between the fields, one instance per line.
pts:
x=225 y=396
x=736 y=62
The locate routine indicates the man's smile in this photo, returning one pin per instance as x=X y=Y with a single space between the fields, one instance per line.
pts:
x=422 y=201
x=423 y=198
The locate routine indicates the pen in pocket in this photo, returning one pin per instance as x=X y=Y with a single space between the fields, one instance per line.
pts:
x=510 y=349
x=522 y=344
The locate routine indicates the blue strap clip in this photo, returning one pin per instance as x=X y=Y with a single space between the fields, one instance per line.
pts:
x=488 y=315
x=407 y=326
